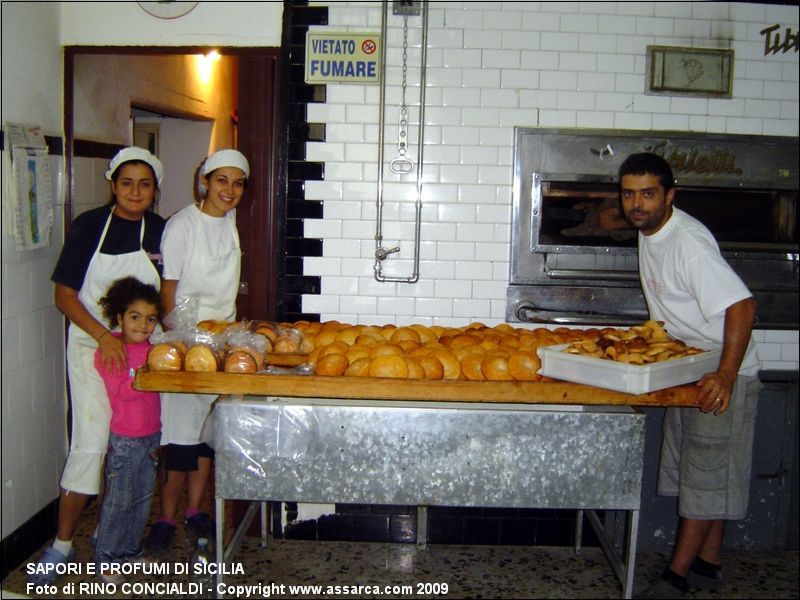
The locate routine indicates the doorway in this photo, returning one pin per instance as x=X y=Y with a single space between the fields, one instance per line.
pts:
x=254 y=92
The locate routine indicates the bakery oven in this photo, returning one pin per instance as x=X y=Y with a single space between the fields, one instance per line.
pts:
x=573 y=257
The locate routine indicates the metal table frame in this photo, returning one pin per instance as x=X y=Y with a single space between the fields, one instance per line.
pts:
x=582 y=458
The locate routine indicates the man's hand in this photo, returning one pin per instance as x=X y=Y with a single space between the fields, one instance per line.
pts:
x=715 y=392
x=112 y=354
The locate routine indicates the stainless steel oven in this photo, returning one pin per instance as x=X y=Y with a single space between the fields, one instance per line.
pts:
x=573 y=257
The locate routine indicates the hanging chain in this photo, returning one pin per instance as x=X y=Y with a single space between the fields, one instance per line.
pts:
x=402 y=144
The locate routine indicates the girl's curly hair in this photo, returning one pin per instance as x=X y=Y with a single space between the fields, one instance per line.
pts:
x=124 y=292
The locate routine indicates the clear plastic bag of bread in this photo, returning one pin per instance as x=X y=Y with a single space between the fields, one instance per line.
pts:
x=204 y=351
x=289 y=340
x=183 y=317
x=244 y=351
x=167 y=351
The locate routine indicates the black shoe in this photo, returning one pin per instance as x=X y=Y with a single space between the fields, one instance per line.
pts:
x=201 y=526
x=705 y=575
x=667 y=586
x=160 y=538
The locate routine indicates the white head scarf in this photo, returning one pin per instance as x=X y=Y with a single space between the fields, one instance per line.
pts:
x=135 y=153
x=227 y=158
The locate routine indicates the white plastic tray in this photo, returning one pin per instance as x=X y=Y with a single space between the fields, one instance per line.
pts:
x=622 y=377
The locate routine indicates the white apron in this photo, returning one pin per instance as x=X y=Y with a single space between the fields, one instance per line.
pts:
x=91 y=411
x=212 y=277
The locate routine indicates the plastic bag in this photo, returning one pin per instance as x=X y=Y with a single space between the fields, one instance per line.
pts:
x=183 y=316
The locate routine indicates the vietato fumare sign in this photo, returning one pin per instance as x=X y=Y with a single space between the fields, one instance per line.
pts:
x=342 y=57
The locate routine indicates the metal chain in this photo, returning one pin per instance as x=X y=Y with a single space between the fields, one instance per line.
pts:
x=402 y=143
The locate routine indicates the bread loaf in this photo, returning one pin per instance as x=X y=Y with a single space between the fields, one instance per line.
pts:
x=165 y=357
x=201 y=358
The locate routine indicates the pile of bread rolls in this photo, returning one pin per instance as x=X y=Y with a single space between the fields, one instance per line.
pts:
x=231 y=347
x=640 y=345
x=474 y=352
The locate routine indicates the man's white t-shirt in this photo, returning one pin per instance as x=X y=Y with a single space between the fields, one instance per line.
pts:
x=688 y=284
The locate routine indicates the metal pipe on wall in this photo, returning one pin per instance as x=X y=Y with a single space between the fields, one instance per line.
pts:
x=381 y=253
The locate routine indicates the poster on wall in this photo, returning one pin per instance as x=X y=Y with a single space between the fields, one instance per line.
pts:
x=30 y=186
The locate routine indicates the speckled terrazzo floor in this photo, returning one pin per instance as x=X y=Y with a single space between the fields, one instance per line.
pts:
x=467 y=571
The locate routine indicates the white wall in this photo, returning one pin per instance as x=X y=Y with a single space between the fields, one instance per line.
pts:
x=491 y=66
x=33 y=395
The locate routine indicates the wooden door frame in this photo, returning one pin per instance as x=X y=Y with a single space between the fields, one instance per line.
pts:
x=259 y=217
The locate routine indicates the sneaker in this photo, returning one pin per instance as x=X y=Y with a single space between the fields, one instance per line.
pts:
x=201 y=526
x=45 y=572
x=160 y=538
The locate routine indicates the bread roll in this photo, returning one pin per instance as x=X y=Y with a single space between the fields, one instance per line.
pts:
x=389 y=365
x=431 y=365
x=333 y=348
x=201 y=358
x=524 y=366
x=358 y=368
x=331 y=365
x=287 y=343
x=385 y=349
x=450 y=364
x=415 y=370
x=165 y=357
x=240 y=361
x=326 y=336
x=405 y=334
x=495 y=368
x=349 y=335
x=471 y=367
x=425 y=334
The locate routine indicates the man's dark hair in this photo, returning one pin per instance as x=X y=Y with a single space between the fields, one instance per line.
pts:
x=647 y=163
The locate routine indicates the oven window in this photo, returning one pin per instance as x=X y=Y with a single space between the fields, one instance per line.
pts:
x=588 y=214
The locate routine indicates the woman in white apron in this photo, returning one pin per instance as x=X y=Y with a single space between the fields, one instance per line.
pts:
x=202 y=260
x=119 y=252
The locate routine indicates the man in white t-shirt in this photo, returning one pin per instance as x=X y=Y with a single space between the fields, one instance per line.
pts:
x=706 y=453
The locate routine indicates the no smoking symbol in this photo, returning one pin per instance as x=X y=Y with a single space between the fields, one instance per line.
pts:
x=368 y=46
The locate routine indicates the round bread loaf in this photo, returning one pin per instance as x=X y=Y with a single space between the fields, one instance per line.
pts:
x=471 y=367
x=495 y=368
x=240 y=361
x=389 y=365
x=333 y=348
x=165 y=357
x=524 y=366
x=331 y=365
x=326 y=336
x=349 y=335
x=405 y=334
x=432 y=366
x=425 y=334
x=450 y=364
x=287 y=343
x=415 y=369
x=358 y=368
x=385 y=349
x=201 y=358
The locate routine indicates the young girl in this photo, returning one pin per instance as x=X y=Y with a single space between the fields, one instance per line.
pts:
x=135 y=426
x=202 y=259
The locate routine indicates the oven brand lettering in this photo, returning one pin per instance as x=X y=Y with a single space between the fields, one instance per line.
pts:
x=693 y=161
x=773 y=43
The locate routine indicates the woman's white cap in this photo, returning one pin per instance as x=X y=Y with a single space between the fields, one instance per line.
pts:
x=227 y=158
x=135 y=153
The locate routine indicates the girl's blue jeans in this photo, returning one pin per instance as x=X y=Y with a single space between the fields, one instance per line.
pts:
x=131 y=465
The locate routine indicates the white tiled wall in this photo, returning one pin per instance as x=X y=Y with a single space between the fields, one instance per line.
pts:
x=491 y=66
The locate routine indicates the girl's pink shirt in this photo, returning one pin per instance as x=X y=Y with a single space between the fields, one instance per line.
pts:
x=133 y=413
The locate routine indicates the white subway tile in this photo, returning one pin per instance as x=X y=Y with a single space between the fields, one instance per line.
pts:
x=496 y=175
x=693 y=28
x=500 y=59
x=340 y=171
x=616 y=25
x=782 y=91
x=461 y=58
x=499 y=98
x=339 y=286
x=558 y=41
x=540 y=59
x=596 y=120
x=484 y=38
x=597 y=42
x=520 y=40
x=754 y=69
x=325 y=113
x=616 y=63
x=538 y=99
x=558 y=80
x=511 y=117
x=474 y=270
x=782 y=337
x=318 y=265
x=478 y=155
x=554 y=118
x=726 y=108
x=323 y=151
x=577 y=61
x=746 y=11
x=576 y=101
x=344 y=133
x=433 y=307
x=481 y=77
x=494 y=251
x=706 y=124
x=440 y=192
x=503 y=20
x=674 y=122
x=790 y=73
x=769 y=352
x=322 y=228
x=790 y=352
x=750 y=88
x=743 y=126
x=688 y=106
x=644 y=9
x=780 y=127
x=357 y=267
x=452 y=289
x=474 y=232
x=762 y=108
x=436 y=270
x=459 y=173
x=633 y=120
x=361 y=305
x=470 y=310
x=520 y=79
x=490 y=290
x=396 y=306
x=456 y=251
x=778 y=366
x=582 y=23
x=440 y=232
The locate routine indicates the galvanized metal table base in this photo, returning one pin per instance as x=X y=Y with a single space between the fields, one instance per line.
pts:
x=428 y=454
